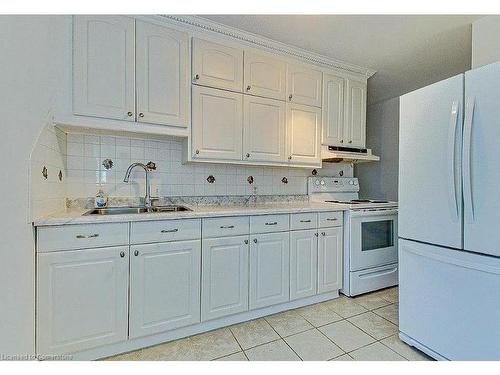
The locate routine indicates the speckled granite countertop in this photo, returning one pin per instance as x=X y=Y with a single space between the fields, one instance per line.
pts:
x=75 y=216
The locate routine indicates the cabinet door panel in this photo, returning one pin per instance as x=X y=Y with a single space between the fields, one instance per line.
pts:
x=304 y=85
x=355 y=114
x=333 y=110
x=303 y=134
x=217 y=124
x=264 y=129
x=82 y=299
x=104 y=67
x=330 y=248
x=269 y=269
x=216 y=65
x=162 y=75
x=303 y=264
x=224 y=277
x=164 y=286
x=264 y=76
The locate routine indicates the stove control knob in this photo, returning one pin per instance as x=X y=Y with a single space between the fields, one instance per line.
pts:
x=322 y=182
x=316 y=182
x=351 y=182
x=355 y=182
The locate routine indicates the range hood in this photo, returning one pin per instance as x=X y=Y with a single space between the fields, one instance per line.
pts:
x=331 y=154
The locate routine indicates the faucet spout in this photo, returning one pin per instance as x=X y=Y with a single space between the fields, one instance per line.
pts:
x=147 y=197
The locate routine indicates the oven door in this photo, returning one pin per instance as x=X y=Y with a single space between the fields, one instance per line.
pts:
x=373 y=238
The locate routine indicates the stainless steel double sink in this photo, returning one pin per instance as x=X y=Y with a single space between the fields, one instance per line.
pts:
x=135 y=210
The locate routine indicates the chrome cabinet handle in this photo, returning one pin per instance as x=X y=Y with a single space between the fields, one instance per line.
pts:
x=323 y=233
x=350 y=141
x=197 y=152
x=341 y=141
x=248 y=155
x=136 y=253
x=316 y=234
x=246 y=242
x=273 y=223
x=329 y=219
x=290 y=97
x=305 y=221
x=122 y=254
x=255 y=240
x=290 y=157
x=141 y=114
x=248 y=88
x=169 y=230
x=79 y=236
x=129 y=114
x=197 y=76
x=226 y=226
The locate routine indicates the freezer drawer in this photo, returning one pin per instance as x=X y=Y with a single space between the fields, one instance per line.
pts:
x=448 y=301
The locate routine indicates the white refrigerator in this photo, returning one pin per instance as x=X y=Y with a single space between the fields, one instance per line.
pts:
x=449 y=217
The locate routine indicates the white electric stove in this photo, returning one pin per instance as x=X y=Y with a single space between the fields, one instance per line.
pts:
x=370 y=234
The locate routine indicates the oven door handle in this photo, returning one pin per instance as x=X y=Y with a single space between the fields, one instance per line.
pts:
x=388 y=212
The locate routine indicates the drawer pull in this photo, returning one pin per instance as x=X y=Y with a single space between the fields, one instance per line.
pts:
x=305 y=221
x=169 y=230
x=273 y=223
x=226 y=226
x=80 y=236
x=255 y=240
x=122 y=254
x=329 y=219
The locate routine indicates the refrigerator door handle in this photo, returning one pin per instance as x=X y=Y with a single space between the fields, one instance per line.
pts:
x=466 y=164
x=452 y=157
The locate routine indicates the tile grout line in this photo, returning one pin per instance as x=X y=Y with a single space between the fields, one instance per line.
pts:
x=234 y=336
x=282 y=338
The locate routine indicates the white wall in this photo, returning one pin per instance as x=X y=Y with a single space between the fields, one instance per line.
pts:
x=380 y=179
x=485 y=41
x=30 y=61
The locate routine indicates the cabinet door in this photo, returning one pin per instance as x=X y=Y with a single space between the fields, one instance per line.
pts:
x=303 y=134
x=216 y=65
x=304 y=85
x=330 y=248
x=224 y=288
x=162 y=76
x=164 y=286
x=303 y=263
x=217 y=124
x=269 y=269
x=264 y=76
x=333 y=110
x=104 y=67
x=355 y=114
x=263 y=129
x=82 y=299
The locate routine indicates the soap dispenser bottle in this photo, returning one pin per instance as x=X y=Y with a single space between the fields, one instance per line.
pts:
x=100 y=199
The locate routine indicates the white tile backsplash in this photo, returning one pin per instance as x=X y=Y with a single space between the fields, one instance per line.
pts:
x=86 y=175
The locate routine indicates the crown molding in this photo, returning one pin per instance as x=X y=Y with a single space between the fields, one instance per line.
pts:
x=269 y=44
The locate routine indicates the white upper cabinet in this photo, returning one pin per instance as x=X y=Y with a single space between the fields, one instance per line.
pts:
x=303 y=133
x=104 y=67
x=304 y=85
x=355 y=114
x=217 y=65
x=264 y=76
x=82 y=299
x=217 y=124
x=164 y=286
x=162 y=75
x=333 y=110
x=263 y=129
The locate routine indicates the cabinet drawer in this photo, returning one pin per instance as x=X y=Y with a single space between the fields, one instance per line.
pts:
x=165 y=230
x=330 y=219
x=307 y=220
x=269 y=223
x=81 y=236
x=225 y=226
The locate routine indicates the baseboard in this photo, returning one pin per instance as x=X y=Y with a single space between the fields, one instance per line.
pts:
x=407 y=339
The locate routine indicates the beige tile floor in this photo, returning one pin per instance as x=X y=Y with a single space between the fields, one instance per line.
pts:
x=363 y=328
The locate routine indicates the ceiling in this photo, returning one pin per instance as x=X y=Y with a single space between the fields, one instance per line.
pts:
x=407 y=52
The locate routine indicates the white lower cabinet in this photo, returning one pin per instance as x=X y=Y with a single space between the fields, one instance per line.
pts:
x=330 y=248
x=269 y=269
x=224 y=277
x=303 y=263
x=82 y=299
x=164 y=286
